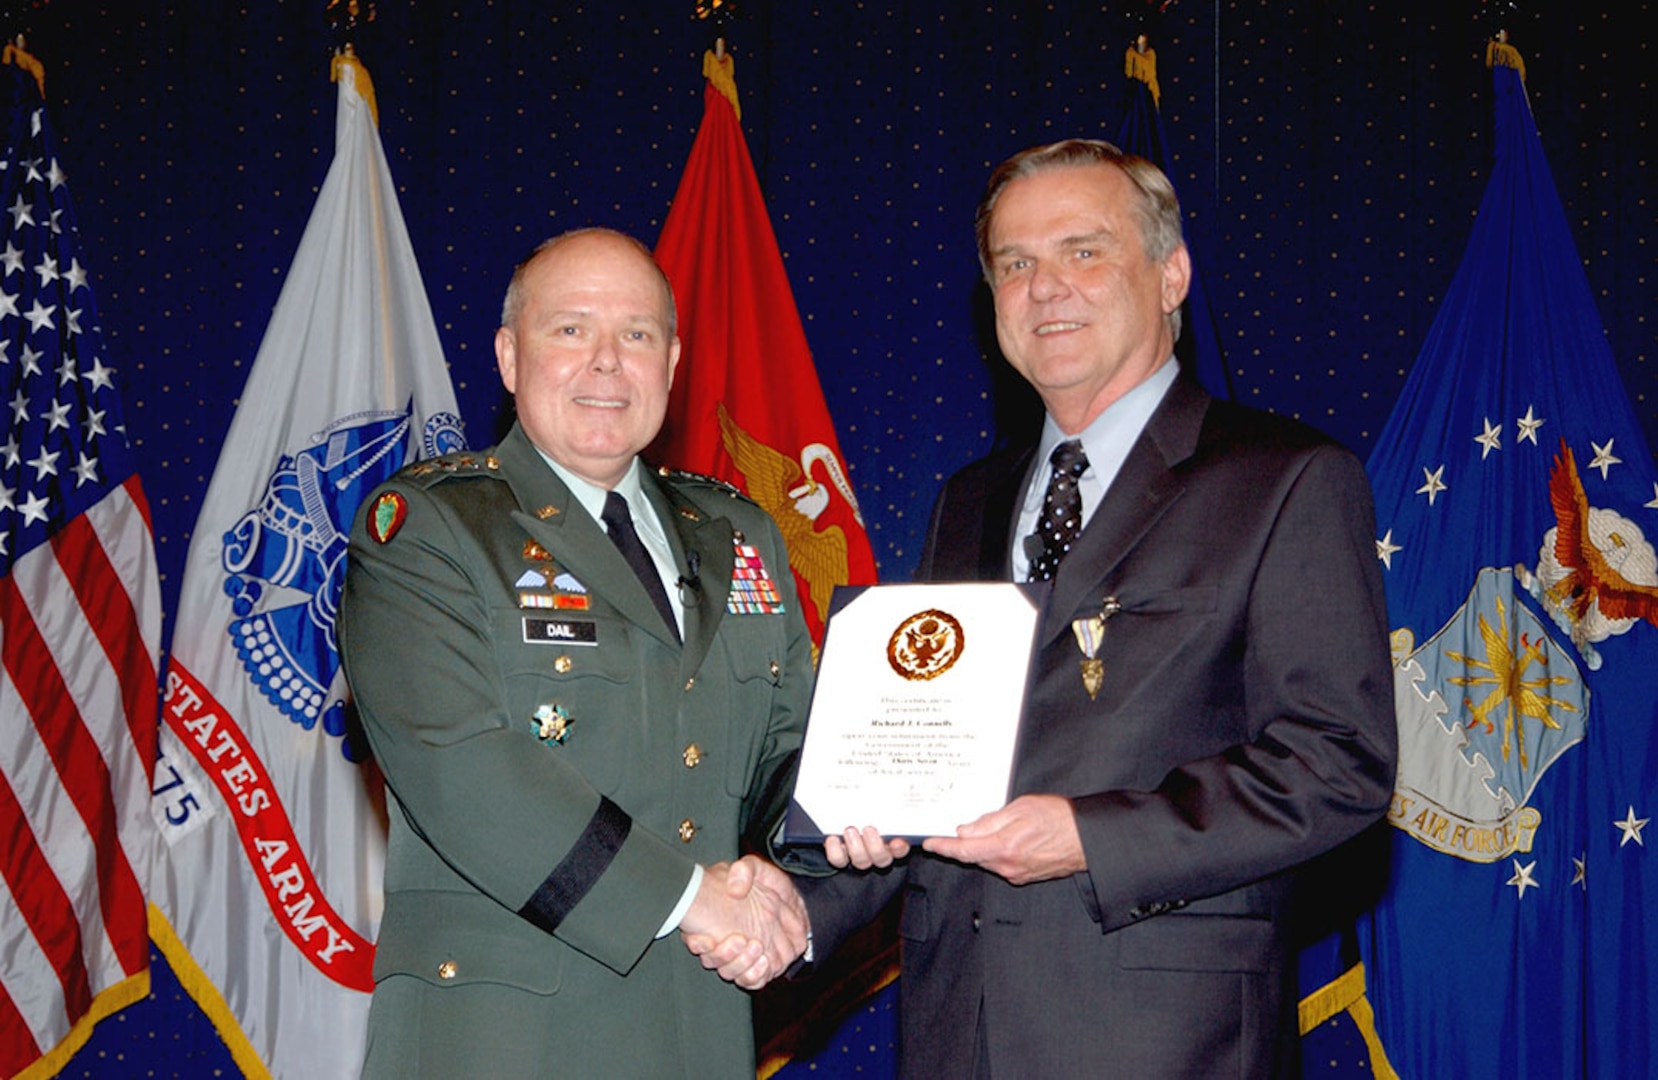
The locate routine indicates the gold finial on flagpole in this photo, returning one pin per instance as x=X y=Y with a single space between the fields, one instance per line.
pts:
x=1140 y=63
x=16 y=53
x=718 y=10
x=346 y=15
x=717 y=65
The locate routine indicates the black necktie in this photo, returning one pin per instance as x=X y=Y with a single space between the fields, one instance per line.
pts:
x=1061 y=518
x=619 y=523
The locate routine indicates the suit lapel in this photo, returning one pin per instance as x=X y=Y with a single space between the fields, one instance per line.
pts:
x=1145 y=487
x=1002 y=506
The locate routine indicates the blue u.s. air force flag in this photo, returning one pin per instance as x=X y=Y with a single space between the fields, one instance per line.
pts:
x=1518 y=509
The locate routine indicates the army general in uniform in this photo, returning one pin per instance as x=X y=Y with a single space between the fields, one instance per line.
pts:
x=573 y=753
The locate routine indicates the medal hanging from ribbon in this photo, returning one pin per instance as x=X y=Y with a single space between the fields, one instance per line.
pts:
x=1090 y=635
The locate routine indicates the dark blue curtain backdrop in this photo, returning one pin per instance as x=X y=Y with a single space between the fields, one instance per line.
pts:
x=1330 y=157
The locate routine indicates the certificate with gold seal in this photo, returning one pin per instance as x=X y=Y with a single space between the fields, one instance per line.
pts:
x=916 y=709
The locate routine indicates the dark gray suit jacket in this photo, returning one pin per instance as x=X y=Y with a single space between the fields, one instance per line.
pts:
x=1244 y=727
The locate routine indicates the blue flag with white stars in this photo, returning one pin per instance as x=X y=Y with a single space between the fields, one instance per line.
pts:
x=63 y=446
x=1517 y=507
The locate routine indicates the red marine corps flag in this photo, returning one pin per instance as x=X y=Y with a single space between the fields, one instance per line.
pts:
x=747 y=406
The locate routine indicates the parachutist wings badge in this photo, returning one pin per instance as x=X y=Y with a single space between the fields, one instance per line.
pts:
x=794 y=498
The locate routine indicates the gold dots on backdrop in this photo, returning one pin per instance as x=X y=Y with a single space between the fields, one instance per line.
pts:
x=1329 y=160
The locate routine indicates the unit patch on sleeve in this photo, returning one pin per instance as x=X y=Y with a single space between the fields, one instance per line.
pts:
x=386 y=516
x=753 y=592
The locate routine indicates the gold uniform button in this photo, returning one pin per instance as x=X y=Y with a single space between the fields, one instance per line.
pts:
x=693 y=756
x=775 y=668
x=563 y=664
x=687 y=829
x=692 y=681
x=448 y=970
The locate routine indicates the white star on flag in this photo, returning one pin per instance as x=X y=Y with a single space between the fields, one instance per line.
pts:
x=46 y=464
x=1631 y=827
x=1604 y=459
x=1529 y=424
x=57 y=416
x=1385 y=549
x=21 y=213
x=1435 y=483
x=34 y=509
x=1522 y=879
x=86 y=470
x=39 y=316
x=1490 y=439
x=98 y=375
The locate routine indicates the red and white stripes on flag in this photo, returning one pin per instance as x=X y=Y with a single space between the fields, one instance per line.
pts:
x=80 y=630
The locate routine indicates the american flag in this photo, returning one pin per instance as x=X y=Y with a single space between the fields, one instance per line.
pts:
x=80 y=627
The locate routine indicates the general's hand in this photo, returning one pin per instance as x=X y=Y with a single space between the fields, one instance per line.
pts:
x=863 y=849
x=747 y=922
x=1032 y=838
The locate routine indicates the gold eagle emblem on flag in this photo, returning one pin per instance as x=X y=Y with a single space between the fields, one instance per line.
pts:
x=788 y=491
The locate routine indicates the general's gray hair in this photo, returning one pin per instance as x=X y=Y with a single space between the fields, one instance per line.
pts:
x=513 y=304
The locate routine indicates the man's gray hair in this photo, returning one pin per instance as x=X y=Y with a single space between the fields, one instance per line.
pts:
x=1156 y=208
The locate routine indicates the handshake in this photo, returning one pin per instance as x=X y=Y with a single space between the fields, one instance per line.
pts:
x=748 y=921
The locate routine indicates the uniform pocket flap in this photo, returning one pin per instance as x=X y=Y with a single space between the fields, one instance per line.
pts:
x=450 y=939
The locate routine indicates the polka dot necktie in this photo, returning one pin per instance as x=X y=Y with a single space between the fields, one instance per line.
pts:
x=1061 y=518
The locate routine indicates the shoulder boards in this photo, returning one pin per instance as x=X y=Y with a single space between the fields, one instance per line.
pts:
x=693 y=479
x=429 y=471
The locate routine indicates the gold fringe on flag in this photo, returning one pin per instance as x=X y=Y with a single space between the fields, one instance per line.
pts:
x=347 y=58
x=15 y=53
x=1346 y=993
x=1141 y=63
x=1499 y=53
x=721 y=71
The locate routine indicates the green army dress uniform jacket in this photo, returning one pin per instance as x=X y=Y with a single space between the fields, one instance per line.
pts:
x=557 y=761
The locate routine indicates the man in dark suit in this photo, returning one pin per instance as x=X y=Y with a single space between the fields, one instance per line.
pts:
x=577 y=729
x=1210 y=705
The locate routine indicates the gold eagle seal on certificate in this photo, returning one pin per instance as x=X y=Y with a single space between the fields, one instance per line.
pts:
x=925 y=645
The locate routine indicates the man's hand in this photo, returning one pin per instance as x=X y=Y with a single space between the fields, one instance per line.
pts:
x=1032 y=838
x=747 y=922
x=863 y=849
